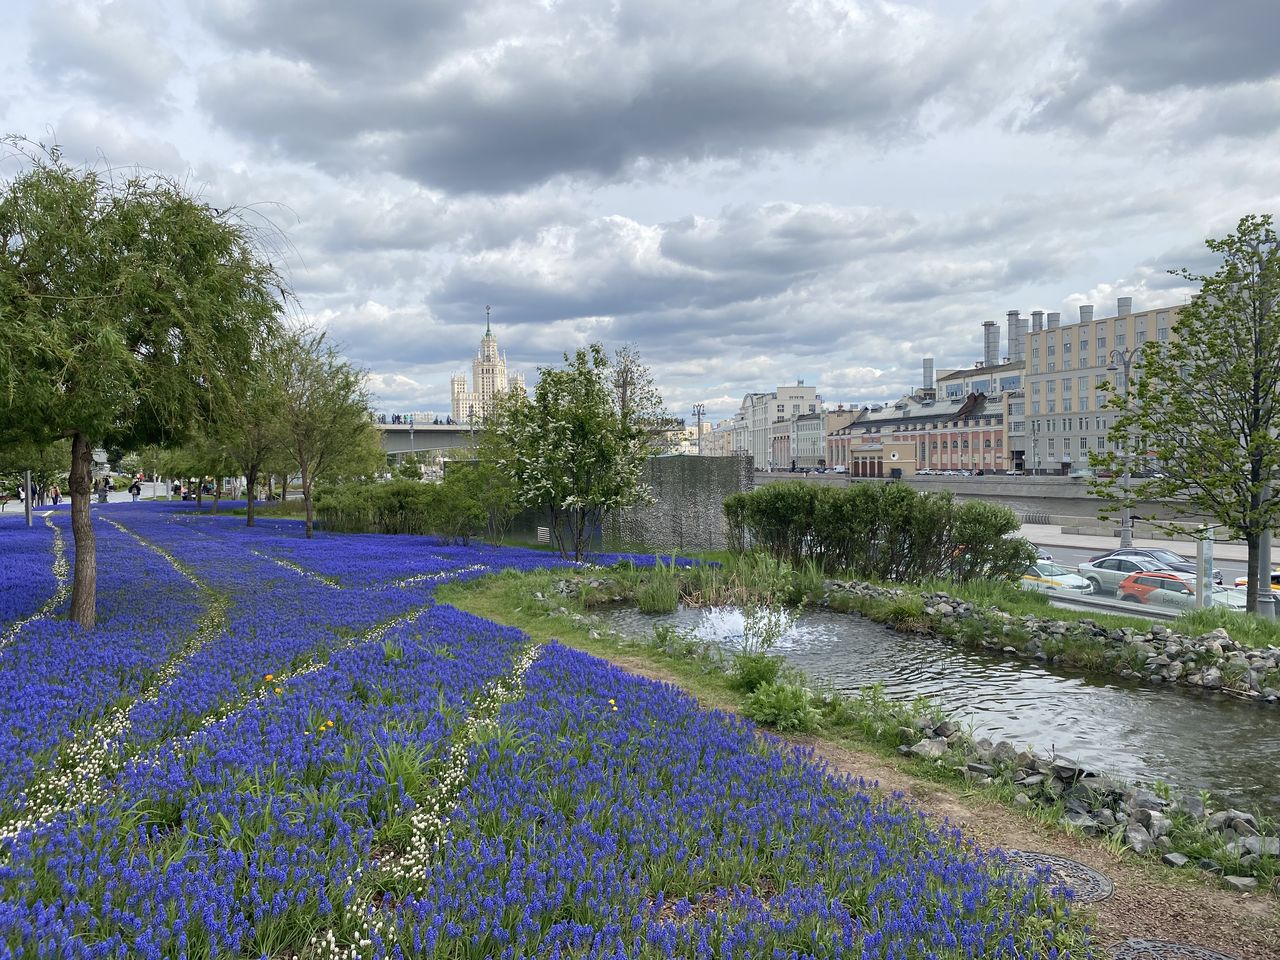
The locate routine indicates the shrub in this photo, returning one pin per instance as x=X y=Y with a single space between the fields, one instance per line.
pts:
x=751 y=671
x=783 y=706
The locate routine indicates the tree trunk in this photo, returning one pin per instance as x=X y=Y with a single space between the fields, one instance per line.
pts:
x=306 y=502
x=84 y=584
x=1255 y=551
x=252 y=479
x=217 y=492
x=284 y=488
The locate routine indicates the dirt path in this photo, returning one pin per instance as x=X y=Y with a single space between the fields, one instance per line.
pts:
x=1149 y=902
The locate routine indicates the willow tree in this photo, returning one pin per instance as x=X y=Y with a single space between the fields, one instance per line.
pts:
x=1208 y=400
x=127 y=309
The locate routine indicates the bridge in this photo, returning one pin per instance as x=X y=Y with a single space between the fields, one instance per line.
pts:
x=401 y=439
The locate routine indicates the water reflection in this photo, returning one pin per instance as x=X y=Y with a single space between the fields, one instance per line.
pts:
x=1134 y=732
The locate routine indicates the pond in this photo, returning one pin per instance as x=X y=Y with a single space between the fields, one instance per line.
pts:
x=1133 y=732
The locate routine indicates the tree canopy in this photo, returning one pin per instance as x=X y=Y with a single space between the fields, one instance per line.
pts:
x=128 y=307
x=1206 y=400
x=577 y=447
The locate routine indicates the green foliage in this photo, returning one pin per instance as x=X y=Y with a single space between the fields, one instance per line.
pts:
x=782 y=705
x=885 y=532
x=1203 y=404
x=577 y=447
x=660 y=592
x=449 y=509
x=752 y=670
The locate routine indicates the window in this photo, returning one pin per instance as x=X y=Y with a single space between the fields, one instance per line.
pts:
x=1052 y=441
x=1051 y=386
x=1066 y=404
x=933 y=445
x=782 y=408
x=795 y=408
x=1084 y=401
x=1066 y=363
x=1102 y=443
x=1084 y=348
x=999 y=442
x=1102 y=343
x=1035 y=406
x=955 y=444
x=1162 y=333
x=1066 y=384
x=1052 y=350
x=1100 y=423
x=1066 y=347
x=1035 y=352
x=1016 y=409
x=1084 y=443
x=1120 y=339
x=1053 y=406
x=965 y=443
x=1142 y=337
x=1035 y=366
x=811 y=408
x=1035 y=388
x=1052 y=366
x=1099 y=379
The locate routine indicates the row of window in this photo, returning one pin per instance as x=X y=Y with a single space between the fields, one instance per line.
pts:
x=963 y=444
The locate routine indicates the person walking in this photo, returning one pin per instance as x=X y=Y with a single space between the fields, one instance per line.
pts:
x=135 y=488
x=55 y=495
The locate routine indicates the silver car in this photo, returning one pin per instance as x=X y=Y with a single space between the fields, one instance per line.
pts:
x=1106 y=574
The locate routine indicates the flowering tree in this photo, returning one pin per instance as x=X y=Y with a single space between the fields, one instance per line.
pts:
x=578 y=446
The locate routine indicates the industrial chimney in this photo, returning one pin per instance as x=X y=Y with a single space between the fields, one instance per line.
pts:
x=1037 y=321
x=1052 y=321
x=990 y=344
x=1086 y=312
x=1124 y=306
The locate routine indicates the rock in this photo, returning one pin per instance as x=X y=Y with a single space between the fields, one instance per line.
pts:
x=1067 y=769
x=1033 y=780
x=1210 y=866
x=1240 y=884
x=1021 y=801
x=1164 y=844
x=945 y=729
x=983 y=768
x=944 y=610
x=1174 y=860
x=1146 y=800
x=930 y=749
x=1105 y=817
x=1262 y=846
x=1082 y=821
x=1003 y=752
x=1191 y=806
x=1211 y=679
x=1136 y=836
x=906 y=734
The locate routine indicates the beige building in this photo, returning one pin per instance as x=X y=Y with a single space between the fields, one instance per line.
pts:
x=489 y=379
x=1067 y=381
x=761 y=428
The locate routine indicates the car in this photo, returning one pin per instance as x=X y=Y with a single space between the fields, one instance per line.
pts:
x=1170 y=559
x=840 y=468
x=1171 y=590
x=1014 y=473
x=1105 y=574
x=1275 y=580
x=1045 y=577
x=1043 y=554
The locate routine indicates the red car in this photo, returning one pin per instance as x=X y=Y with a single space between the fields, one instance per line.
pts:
x=1157 y=587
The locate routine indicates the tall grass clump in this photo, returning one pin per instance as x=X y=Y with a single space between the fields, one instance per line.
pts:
x=660 y=592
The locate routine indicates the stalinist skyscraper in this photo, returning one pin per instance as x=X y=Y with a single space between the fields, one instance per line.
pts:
x=488 y=379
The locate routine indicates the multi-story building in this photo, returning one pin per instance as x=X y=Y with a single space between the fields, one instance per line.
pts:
x=489 y=379
x=1067 y=382
x=761 y=427
x=918 y=432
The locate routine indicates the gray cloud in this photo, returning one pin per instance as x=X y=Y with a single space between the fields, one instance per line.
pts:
x=111 y=52
x=582 y=90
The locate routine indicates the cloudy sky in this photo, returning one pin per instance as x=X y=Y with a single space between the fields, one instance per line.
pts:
x=751 y=192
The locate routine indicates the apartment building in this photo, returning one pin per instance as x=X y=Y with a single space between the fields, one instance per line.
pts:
x=1067 y=382
x=761 y=428
x=918 y=432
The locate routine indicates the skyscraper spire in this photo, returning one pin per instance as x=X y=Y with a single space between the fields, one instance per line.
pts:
x=487 y=331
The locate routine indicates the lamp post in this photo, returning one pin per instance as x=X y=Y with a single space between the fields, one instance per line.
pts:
x=699 y=411
x=1122 y=361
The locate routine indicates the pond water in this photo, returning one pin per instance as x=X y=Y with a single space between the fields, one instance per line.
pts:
x=1133 y=732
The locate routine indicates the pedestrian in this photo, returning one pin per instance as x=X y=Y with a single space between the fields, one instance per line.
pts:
x=55 y=494
x=135 y=488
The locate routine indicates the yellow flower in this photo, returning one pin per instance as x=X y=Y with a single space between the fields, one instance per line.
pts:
x=269 y=677
x=328 y=723
x=615 y=709
x=612 y=701
x=279 y=689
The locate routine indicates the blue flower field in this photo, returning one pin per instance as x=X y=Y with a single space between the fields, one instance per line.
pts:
x=275 y=747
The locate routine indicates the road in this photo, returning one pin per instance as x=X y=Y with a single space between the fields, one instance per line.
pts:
x=1071 y=556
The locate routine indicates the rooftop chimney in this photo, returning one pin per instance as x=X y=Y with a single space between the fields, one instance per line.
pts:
x=1086 y=312
x=990 y=344
x=1016 y=333
x=1124 y=306
x=928 y=373
x=1052 y=323
x=1037 y=321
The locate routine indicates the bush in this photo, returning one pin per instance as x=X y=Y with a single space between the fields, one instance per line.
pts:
x=751 y=671
x=449 y=509
x=783 y=706
x=884 y=532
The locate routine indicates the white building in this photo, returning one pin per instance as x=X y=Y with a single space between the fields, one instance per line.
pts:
x=764 y=418
x=489 y=378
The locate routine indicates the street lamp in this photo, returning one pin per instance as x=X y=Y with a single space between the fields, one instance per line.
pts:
x=699 y=411
x=1122 y=362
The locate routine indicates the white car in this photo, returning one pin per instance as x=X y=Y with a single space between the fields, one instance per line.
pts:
x=1046 y=577
x=1105 y=574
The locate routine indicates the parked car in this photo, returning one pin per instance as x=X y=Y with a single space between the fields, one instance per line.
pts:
x=1043 y=554
x=1045 y=577
x=1014 y=473
x=840 y=468
x=1275 y=580
x=1107 y=573
x=1171 y=590
x=1170 y=559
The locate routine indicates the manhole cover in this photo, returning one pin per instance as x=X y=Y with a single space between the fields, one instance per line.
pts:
x=1162 y=950
x=1087 y=883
